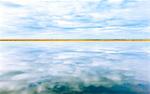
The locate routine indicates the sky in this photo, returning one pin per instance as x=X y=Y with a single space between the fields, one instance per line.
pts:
x=100 y=19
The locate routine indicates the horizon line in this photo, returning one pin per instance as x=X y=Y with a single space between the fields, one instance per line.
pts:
x=73 y=40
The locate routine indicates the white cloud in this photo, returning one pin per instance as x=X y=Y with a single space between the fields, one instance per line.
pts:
x=59 y=18
x=115 y=1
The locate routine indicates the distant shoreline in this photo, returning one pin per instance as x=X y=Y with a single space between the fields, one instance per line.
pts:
x=74 y=40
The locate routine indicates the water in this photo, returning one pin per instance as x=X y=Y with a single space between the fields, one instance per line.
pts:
x=74 y=68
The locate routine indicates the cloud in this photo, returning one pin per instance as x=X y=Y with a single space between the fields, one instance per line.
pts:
x=59 y=18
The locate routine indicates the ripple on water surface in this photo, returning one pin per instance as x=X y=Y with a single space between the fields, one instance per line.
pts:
x=74 y=68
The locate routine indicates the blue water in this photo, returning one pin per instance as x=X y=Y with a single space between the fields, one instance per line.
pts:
x=74 y=68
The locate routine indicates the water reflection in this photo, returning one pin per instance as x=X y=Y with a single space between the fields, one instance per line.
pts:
x=74 y=68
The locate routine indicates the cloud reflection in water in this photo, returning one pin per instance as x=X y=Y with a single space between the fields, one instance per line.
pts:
x=74 y=68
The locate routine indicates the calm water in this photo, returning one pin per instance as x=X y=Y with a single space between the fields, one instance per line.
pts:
x=74 y=68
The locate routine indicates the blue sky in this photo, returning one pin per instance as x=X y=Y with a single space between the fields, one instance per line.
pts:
x=74 y=18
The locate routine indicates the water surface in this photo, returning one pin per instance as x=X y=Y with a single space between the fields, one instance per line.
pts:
x=74 y=68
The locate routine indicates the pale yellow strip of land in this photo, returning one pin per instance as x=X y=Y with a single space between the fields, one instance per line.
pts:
x=74 y=40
